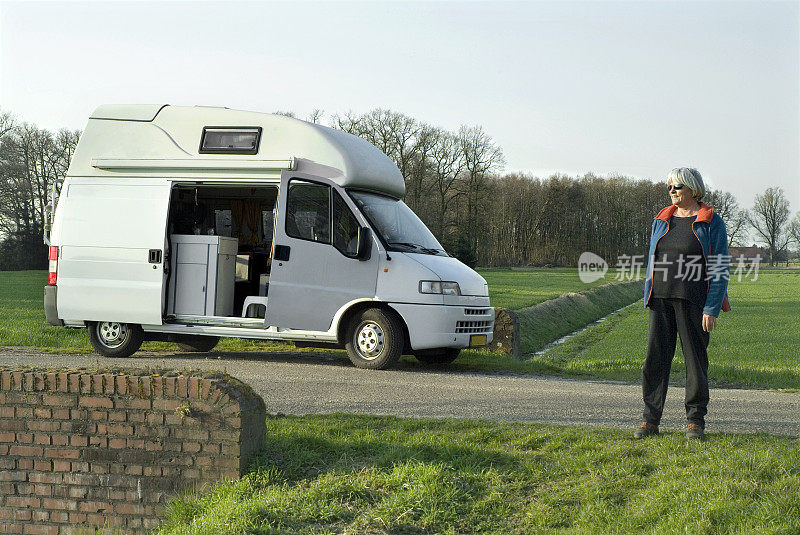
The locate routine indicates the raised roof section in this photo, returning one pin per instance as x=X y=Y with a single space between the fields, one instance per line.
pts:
x=152 y=133
x=128 y=112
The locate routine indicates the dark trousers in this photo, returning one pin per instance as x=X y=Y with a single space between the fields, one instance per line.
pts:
x=668 y=318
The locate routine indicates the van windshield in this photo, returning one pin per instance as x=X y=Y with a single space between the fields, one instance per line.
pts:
x=399 y=227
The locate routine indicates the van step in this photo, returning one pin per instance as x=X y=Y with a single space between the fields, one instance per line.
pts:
x=219 y=321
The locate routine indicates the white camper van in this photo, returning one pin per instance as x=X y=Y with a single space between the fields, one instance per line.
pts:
x=187 y=224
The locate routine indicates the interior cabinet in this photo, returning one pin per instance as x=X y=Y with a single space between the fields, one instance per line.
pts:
x=202 y=274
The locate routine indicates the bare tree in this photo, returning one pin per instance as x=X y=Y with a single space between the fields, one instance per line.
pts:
x=447 y=164
x=482 y=157
x=350 y=123
x=735 y=218
x=315 y=116
x=418 y=183
x=395 y=134
x=32 y=160
x=794 y=230
x=515 y=214
x=769 y=218
x=7 y=124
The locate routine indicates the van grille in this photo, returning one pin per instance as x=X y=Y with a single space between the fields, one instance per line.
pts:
x=473 y=327
x=477 y=311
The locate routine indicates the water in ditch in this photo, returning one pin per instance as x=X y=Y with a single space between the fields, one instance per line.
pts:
x=566 y=337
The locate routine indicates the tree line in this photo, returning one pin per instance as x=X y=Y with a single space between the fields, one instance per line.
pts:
x=454 y=182
x=32 y=160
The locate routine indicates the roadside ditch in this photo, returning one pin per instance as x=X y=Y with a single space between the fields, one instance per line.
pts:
x=529 y=330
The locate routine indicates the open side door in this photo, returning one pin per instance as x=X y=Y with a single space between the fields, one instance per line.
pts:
x=111 y=265
x=314 y=267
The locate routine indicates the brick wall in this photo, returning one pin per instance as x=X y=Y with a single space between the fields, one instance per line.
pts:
x=81 y=448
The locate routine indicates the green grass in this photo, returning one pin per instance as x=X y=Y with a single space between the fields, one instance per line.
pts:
x=22 y=320
x=519 y=288
x=367 y=475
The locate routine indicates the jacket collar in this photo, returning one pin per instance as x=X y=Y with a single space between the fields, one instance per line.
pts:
x=704 y=215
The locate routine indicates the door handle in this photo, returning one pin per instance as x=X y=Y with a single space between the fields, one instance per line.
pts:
x=281 y=253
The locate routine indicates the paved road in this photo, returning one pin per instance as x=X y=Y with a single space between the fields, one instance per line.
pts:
x=307 y=383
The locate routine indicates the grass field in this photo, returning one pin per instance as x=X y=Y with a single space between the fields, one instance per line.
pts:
x=519 y=288
x=369 y=475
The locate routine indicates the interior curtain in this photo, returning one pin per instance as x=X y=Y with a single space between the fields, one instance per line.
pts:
x=252 y=213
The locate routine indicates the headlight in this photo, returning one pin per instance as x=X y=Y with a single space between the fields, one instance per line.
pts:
x=450 y=288
x=430 y=287
x=439 y=287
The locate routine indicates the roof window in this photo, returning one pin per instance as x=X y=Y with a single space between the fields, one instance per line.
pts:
x=230 y=140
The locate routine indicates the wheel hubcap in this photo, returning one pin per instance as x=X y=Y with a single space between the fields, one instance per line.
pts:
x=112 y=334
x=369 y=340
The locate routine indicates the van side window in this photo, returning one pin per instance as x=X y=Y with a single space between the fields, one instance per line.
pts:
x=308 y=211
x=345 y=227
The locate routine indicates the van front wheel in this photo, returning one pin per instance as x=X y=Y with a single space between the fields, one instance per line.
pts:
x=375 y=339
x=114 y=339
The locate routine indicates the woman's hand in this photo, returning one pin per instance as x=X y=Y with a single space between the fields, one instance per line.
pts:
x=709 y=322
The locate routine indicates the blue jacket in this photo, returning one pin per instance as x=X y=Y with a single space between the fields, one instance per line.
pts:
x=713 y=237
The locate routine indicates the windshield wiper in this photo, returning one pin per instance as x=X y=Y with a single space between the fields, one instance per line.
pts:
x=422 y=248
x=407 y=244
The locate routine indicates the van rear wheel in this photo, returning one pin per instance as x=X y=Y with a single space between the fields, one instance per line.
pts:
x=375 y=339
x=115 y=339
x=200 y=344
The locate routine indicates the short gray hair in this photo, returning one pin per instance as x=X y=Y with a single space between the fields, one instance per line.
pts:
x=688 y=177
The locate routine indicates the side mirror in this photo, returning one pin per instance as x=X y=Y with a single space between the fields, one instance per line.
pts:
x=364 y=243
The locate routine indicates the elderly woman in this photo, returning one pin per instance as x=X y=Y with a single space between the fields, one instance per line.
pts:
x=685 y=288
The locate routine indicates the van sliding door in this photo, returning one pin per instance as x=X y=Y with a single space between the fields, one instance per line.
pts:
x=112 y=250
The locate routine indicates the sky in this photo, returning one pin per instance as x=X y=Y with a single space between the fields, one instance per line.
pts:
x=630 y=88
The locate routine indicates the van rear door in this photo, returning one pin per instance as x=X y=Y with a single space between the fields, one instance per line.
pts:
x=112 y=243
x=314 y=269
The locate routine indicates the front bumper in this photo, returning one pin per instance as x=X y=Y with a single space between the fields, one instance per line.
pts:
x=439 y=326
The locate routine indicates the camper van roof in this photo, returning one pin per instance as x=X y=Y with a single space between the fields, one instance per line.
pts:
x=130 y=139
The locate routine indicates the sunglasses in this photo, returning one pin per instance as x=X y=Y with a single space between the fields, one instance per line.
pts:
x=676 y=186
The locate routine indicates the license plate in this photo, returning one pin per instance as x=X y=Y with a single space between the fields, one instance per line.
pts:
x=477 y=340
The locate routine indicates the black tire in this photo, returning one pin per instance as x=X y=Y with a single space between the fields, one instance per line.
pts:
x=375 y=339
x=437 y=356
x=199 y=344
x=115 y=339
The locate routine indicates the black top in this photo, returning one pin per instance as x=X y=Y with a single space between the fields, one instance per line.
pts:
x=679 y=270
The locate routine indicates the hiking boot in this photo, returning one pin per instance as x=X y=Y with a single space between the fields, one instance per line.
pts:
x=645 y=430
x=695 y=432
